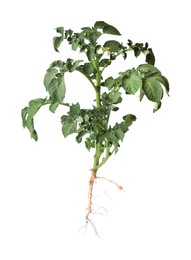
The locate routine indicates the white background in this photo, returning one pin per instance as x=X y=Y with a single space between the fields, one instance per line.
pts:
x=43 y=185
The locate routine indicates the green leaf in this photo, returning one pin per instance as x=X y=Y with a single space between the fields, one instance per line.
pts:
x=50 y=74
x=119 y=134
x=53 y=107
x=141 y=94
x=79 y=136
x=29 y=112
x=72 y=65
x=57 y=42
x=91 y=53
x=69 y=126
x=109 y=29
x=34 y=106
x=57 y=88
x=60 y=30
x=100 y=25
x=30 y=126
x=75 y=110
x=132 y=84
x=148 y=70
x=115 y=97
x=163 y=80
x=56 y=64
x=104 y=62
x=129 y=119
x=110 y=135
x=88 y=143
x=24 y=113
x=152 y=89
x=88 y=68
x=109 y=82
x=112 y=46
x=150 y=57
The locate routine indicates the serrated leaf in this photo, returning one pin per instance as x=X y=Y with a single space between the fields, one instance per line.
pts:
x=53 y=107
x=50 y=74
x=152 y=89
x=57 y=88
x=57 y=42
x=69 y=126
x=132 y=84
x=112 y=46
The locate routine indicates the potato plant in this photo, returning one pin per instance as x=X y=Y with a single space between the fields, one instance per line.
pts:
x=92 y=125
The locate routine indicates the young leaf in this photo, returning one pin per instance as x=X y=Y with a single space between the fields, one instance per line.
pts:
x=112 y=46
x=132 y=84
x=152 y=89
